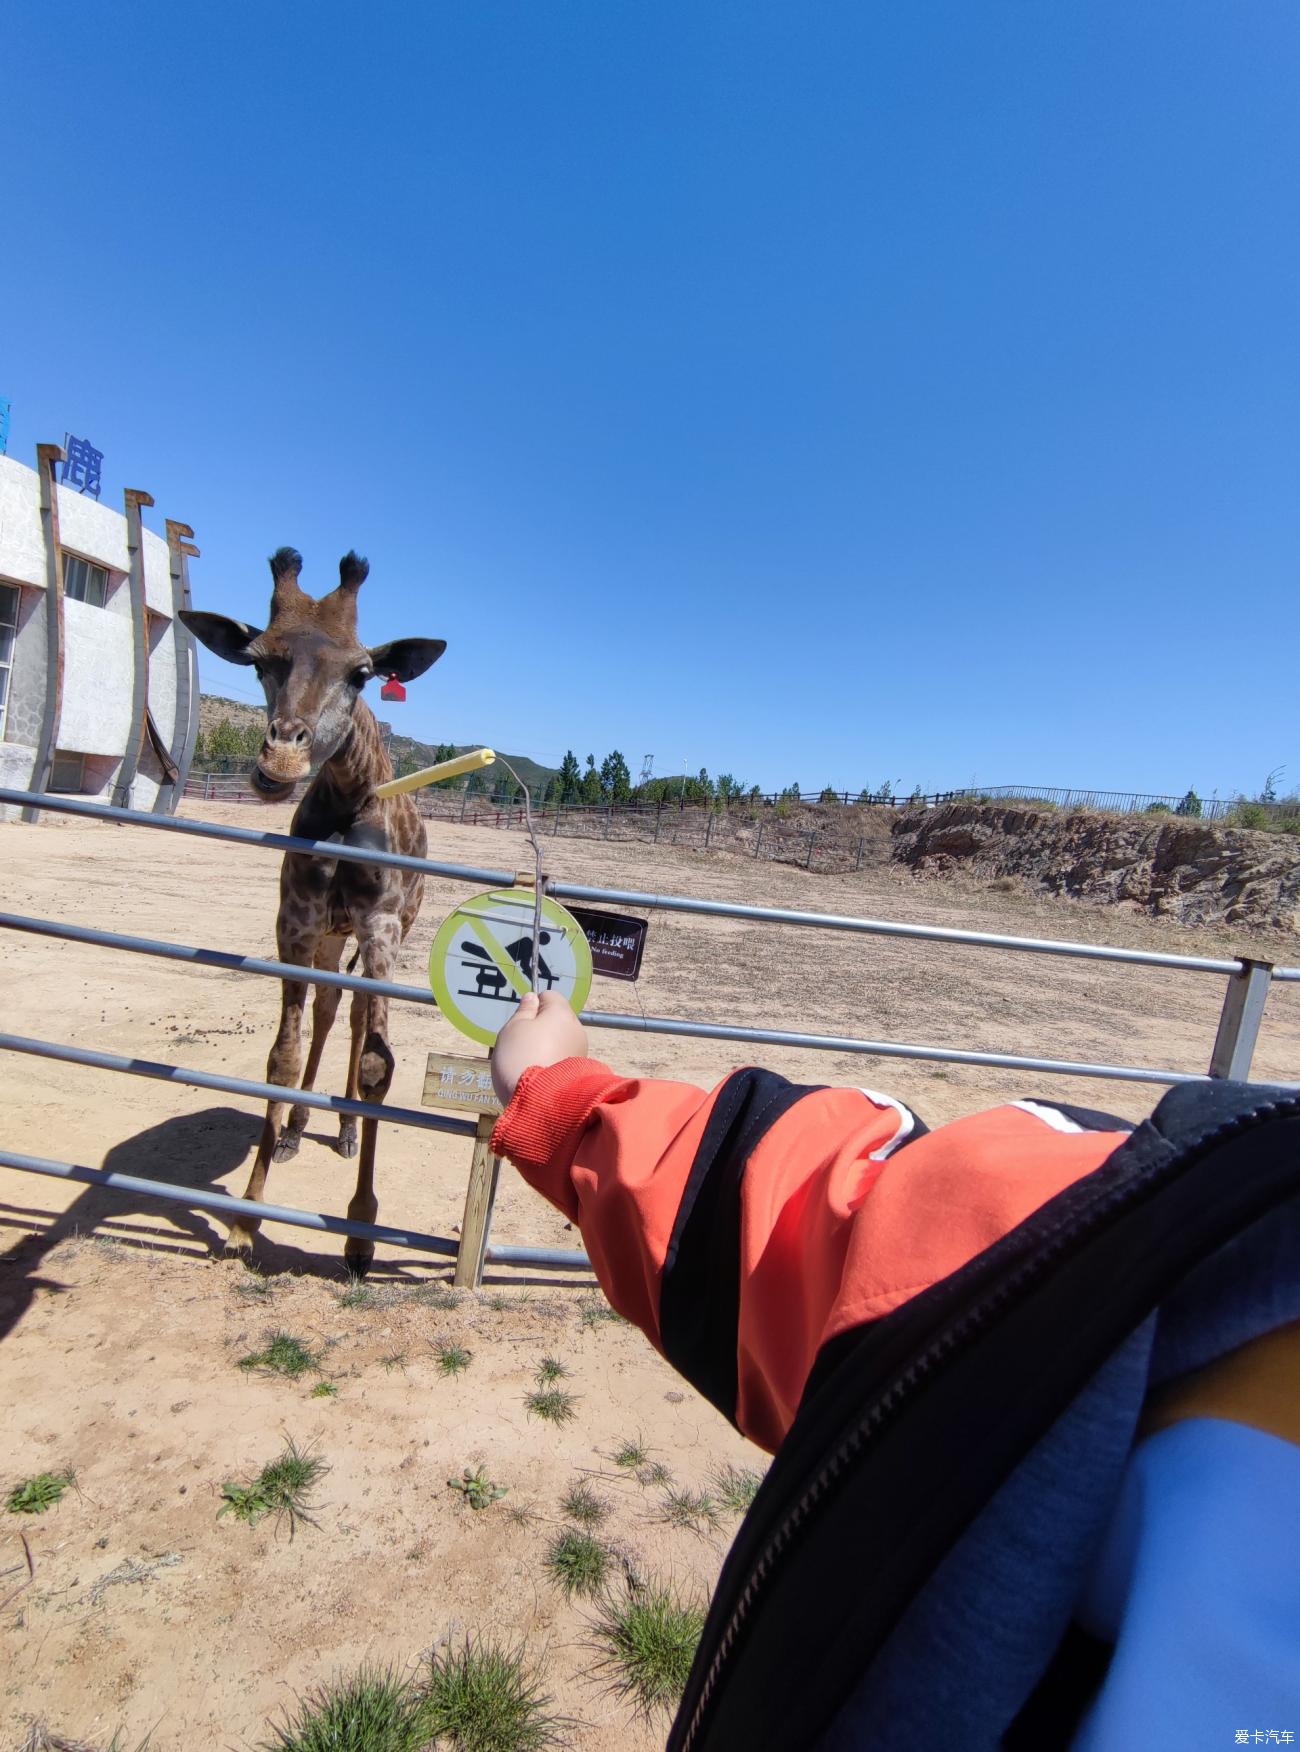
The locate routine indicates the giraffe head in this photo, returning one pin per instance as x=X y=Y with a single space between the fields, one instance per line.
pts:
x=312 y=667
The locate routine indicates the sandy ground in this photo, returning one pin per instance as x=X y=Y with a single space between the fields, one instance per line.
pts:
x=117 y=1354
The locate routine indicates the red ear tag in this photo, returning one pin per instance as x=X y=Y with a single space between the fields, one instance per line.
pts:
x=392 y=689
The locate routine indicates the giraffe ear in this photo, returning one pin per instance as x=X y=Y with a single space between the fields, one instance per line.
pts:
x=228 y=638
x=406 y=658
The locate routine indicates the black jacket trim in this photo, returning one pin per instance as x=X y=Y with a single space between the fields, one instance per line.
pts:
x=912 y=1423
x=699 y=1298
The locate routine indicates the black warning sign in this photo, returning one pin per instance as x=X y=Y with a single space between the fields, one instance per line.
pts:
x=617 y=941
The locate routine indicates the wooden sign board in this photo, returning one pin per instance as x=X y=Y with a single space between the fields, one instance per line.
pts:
x=459 y=1084
x=617 y=941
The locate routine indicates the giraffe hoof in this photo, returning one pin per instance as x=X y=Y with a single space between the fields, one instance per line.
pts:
x=358 y=1256
x=286 y=1145
x=347 y=1144
x=239 y=1244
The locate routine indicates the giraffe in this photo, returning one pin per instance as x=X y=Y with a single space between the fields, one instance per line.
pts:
x=313 y=668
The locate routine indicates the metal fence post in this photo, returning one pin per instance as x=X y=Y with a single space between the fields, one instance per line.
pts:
x=812 y=841
x=658 y=818
x=464 y=801
x=858 y=865
x=758 y=843
x=708 y=831
x=1239 y=1020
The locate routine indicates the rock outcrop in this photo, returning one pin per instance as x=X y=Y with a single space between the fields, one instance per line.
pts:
x=1176 y=868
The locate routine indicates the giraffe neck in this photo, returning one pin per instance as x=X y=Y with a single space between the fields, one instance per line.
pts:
x=360 y=764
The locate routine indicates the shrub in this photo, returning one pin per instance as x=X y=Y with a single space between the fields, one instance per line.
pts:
x=482 y=1698
x=646 y=1644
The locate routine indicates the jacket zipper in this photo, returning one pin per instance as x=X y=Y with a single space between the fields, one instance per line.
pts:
x=941 y=1350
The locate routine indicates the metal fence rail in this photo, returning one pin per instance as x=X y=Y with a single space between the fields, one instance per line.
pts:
x=1248 y=983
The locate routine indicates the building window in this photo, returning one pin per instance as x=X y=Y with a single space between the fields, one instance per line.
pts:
x=68 y=771
x=9 y=600
x=84 y=581
x=8 y=627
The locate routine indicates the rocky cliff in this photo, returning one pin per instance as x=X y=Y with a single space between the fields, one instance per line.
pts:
x=1183 y=869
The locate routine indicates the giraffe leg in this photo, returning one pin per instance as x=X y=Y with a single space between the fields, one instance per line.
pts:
x=324 y=1008
x=281 y=1067
x=347 y=1145
x=374 y=1062
x=297 y=933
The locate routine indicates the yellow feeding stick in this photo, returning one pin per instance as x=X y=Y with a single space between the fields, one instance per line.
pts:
x=445 y=769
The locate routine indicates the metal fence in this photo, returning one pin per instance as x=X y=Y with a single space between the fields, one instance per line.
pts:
x=1247 y=986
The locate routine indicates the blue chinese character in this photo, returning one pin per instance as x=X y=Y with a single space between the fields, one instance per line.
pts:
x=81 y=466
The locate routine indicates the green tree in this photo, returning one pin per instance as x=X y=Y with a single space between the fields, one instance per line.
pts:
x=591 y=791
x=570 y=777
x=1190 y=805
x=225 y=742
x=615 y=779
x=828 y=795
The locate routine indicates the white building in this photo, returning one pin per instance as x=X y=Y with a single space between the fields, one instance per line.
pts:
x=99 y=688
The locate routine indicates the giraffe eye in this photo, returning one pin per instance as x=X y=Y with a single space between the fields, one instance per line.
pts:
x=362 y=675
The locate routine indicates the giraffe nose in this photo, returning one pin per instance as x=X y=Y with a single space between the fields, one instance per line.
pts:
x=288 y=733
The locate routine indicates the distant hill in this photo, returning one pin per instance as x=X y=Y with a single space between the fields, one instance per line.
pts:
x=213 y=708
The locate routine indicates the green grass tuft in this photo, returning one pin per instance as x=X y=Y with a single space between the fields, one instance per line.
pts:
x=482 y=1697
x=377 y=1710
x=283 y=1354
x=357 y=1295
x=645 y=1645
x=582 y=1505
x=550 y=1370
x=694 y=1510
x=654 y=1473
x=452 y=1358
x=281 y=1488
x=32 y=1496
x=325 y=1390
x=551 y=1403
x=631 y=1454
x=577 y=1563
x=735 y=1487
x=593 y=1309
x=441 y=1296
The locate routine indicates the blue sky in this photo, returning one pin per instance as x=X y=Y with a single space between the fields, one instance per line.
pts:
x=825 y=393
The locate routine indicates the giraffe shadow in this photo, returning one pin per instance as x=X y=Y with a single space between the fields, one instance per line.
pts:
x=194 y=1150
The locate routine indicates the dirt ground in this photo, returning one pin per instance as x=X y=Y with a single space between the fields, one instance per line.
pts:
x=119 y=1323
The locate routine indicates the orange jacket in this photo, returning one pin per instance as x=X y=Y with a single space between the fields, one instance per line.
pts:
x=940 y=1334
x=744 y=1229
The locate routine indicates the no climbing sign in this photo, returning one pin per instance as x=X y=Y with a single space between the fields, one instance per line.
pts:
x=481 y=962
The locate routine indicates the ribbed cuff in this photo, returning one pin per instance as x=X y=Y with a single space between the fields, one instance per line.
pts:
x=551 y=1104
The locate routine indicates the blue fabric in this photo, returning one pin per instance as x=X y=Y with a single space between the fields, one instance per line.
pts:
x=1197 y=1583
x=973 y=1644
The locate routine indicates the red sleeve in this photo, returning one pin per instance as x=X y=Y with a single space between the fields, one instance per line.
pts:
x=613 y=1153
x=744 y=1228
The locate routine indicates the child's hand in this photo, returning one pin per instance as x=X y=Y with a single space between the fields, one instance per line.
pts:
x=542 y=1031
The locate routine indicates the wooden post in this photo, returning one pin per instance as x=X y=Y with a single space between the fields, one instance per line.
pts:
x=480 y=1196
x=464 y=799
x=708 y=831
x=658 y=817
x=758 y=843
x=858 y=865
